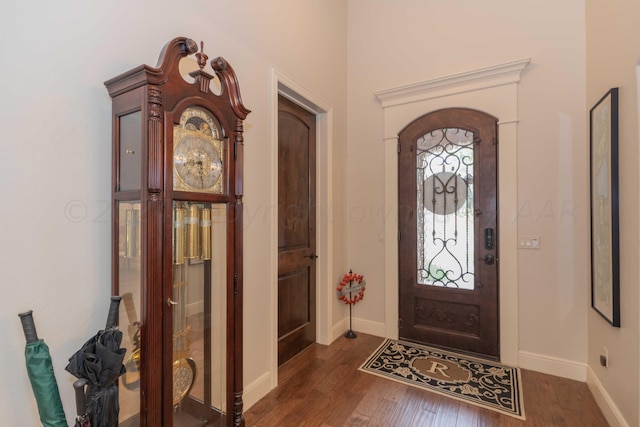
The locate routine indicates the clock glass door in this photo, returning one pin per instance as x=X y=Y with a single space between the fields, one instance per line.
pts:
x=199 y=313
x=130 y=283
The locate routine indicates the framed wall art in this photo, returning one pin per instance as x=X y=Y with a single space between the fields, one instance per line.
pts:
x=605 y=247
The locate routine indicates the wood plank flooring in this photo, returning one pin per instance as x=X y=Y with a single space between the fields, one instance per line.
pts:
x=322 y=387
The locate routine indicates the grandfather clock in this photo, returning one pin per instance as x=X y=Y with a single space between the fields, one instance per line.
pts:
x=177 y=238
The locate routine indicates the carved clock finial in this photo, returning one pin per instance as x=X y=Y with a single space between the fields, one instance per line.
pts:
x=201 y=56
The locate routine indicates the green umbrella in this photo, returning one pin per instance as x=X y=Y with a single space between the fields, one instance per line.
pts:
x=40 y=371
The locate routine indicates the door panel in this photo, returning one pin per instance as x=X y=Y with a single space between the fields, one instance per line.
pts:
x=447 y=175
x=296 y=229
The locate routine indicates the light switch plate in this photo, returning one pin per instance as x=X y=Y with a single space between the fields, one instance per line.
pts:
x=529 y=242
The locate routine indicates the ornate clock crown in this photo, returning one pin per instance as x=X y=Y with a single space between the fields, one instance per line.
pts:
x=201 y=56
x=202 y=77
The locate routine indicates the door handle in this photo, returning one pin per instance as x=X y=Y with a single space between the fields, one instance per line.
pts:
x=312 y=256
x=489 y=259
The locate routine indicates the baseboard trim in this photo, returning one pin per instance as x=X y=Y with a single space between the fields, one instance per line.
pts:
x=607 y=406
x=553 y=366
x=256 y=390
x=262 y=385
x=368 y=327
x=339 y=328
x=536 y=362
x=359 y=325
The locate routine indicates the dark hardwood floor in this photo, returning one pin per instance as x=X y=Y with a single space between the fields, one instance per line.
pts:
x=323 y=387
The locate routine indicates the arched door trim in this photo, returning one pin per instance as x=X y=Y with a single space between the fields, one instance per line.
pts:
x=493 y=90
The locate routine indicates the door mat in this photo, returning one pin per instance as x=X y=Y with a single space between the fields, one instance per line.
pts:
x=474 y=381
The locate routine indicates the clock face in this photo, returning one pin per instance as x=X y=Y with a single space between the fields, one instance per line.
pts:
x=197 y=153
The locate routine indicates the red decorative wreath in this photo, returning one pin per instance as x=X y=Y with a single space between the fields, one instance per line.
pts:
x=351 y=288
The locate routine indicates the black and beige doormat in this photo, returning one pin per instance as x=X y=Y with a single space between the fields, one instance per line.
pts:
x=474 y=381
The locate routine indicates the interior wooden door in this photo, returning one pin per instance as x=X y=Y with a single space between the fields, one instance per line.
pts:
x=296 y=229
x=448 y=248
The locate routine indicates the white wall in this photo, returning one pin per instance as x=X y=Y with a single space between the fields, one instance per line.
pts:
x=613 y=58
x=55 y=170
x=393 y=44
x=56 y=162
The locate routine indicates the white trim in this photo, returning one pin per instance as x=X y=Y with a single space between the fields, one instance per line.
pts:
x=605 y=402
x=377 y=329
x=553 y=366
x=638 y=237
x=365 y=326
x=508 y=227
x=494 y=91
x=339 y=329
x=256 y=390
x=290 y=89
x=391 y=237
x=482 y=78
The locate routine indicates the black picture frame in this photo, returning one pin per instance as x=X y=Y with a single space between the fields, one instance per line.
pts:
x=605 y=224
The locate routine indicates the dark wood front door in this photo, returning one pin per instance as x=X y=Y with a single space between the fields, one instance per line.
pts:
x=296 y=229
x=448 y=248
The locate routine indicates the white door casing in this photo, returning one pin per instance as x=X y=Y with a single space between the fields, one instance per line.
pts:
x=493 y=90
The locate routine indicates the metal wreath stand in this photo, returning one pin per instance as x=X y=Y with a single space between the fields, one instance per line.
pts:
x=352 y=284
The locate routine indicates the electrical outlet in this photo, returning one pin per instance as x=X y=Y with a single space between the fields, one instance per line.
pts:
x=604 y=357
x=535 y=242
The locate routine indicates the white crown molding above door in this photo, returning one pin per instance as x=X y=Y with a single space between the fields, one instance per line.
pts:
x=482 y=78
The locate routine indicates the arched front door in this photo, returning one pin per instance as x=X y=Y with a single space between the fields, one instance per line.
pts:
x=447 y=218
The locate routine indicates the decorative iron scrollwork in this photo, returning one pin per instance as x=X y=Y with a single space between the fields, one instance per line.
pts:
x=444 y=166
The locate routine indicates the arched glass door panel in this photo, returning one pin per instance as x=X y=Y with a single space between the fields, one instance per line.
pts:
x=445 y=235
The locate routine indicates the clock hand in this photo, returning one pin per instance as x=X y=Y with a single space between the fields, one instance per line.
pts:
x=201 y=173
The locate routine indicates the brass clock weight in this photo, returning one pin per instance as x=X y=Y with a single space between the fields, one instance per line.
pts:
x=191 y=241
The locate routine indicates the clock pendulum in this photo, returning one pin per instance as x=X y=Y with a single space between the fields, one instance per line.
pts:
x=192 y=241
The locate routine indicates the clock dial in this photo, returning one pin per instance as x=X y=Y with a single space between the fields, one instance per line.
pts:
x=197 y=163
x=197 y=155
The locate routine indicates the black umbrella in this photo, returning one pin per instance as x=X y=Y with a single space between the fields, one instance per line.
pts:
x=82 y=418
x=99 y=361
x=40 y=371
